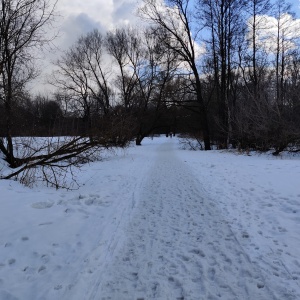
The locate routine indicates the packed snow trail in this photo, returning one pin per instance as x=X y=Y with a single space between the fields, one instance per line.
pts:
x=177 y=245
x=156 y=222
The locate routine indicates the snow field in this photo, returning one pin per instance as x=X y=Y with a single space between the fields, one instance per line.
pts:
x=156 y=222
x=51 y=241
x=259 y=196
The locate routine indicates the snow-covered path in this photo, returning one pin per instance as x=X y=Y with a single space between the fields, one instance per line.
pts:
x=156 y=222
x=178 y=246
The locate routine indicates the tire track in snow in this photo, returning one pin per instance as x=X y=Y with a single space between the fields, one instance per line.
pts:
x=178 y=246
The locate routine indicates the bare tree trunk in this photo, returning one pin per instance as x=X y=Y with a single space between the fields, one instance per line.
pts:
x=179 y=40
x=21 y=29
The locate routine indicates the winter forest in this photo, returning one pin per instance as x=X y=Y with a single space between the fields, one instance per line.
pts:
x=153 y=156
x=223 y=72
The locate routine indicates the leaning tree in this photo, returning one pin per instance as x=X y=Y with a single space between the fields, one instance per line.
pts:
x=24 y=32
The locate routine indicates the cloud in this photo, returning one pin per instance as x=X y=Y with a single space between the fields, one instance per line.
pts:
x=76 y=18
x=75 y=26
x=270 y=31
x=124 y=13
x=97 y=10
x=106 y=12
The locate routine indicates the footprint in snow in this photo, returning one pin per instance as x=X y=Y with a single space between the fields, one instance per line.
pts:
x=42 y=205
x=11 y=261
x=45 y=258
x=96 y=201
x=260 y=285
x=245 y=235
x=42 y=270
x=184 y=258
x=282 y=229
x=198 y=252
x=58 y=287
x=211 y=273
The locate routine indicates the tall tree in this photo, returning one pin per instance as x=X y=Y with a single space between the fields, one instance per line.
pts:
x=117 y=44
x=22 y=29
x=154 y=73
x=257 y=10
x=178 y=32
x=283 y=39
x=83 y=75
x=224 y=21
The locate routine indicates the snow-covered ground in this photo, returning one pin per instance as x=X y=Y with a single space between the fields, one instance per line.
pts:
x=156 y=222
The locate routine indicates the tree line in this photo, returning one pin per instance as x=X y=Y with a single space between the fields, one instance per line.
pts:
x=223 y=71
x=245 y=85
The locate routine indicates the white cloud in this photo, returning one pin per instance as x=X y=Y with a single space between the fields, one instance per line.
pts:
x=77 y=17
x=270 y=31
x=106 y=12
x=99 y=10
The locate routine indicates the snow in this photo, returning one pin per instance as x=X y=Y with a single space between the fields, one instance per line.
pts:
x=156 y=222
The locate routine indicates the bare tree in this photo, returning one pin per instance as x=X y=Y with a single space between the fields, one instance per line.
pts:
x=224 y=21
x=154 y=78
x=117 y=44
x=81 y=73
x=284 y=41
x=251 y=109
x=266 y=113
x=255 y=57
x=23 y=32
x=51 y=159
x=22 y=29
x=176 y=22
x=84 y=73
x=145 y=68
